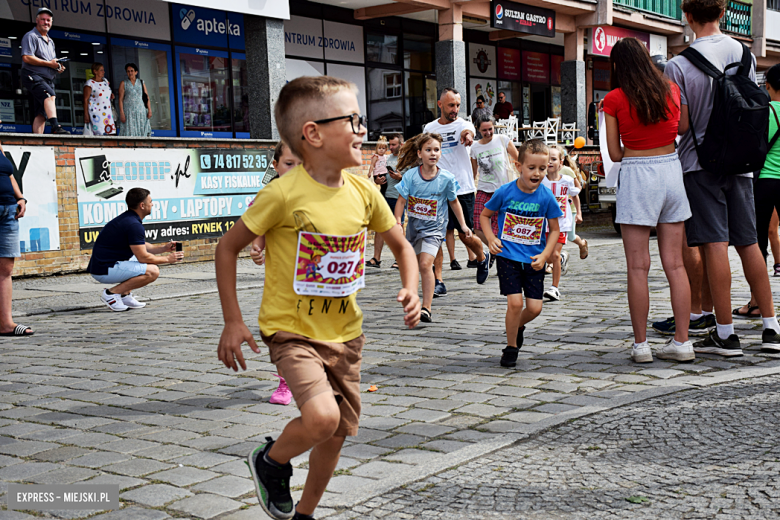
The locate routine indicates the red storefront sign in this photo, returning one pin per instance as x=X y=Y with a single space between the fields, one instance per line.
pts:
x=604 y=37
x=508 y=64
x=536 y=67
x=555 y=65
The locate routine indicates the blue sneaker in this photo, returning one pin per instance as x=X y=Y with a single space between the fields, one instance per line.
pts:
x=483 y=271
x=439 y=289
x=698 y=327
x=666 y=327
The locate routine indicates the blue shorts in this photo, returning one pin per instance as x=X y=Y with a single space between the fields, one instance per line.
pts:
x=391 y=203
x=9 y=232
x=518 y=277
x=121 y=272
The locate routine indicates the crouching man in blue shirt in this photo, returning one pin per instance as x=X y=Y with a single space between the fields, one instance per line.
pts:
x=122 y=256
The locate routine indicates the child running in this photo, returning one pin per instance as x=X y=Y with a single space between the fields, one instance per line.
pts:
x=426 y=189
x=562 y=188
x=569 y=168
x=314 y=219
x=523 y=249
x=284 y=161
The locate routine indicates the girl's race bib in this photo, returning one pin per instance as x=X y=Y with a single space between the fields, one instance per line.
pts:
x=329 y=265
x=424 y=209
x=522 y=230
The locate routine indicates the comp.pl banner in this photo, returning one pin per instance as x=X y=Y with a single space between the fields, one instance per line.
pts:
x=35 y=171
x=197 y=193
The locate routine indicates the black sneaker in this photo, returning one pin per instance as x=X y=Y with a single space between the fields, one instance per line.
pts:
x=455 y=266
x=509 y=356
x=439 y=289
x=483 y=271
x=666 y=327
x=272 y=483
x=472 y=264
x=59 y=130
x=712 y=344
x=709 y=320
x=301 y=516
x=770 y=341
x=702 y=325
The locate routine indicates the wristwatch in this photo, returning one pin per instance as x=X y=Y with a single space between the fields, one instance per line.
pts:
x=22 y=198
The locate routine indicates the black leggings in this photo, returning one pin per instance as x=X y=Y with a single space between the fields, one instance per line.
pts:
x=766 y=193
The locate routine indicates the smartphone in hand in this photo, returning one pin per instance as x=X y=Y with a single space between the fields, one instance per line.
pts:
x=179 y=246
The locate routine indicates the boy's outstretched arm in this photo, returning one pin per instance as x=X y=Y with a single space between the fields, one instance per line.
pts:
x=235 y=332
x=410 y=273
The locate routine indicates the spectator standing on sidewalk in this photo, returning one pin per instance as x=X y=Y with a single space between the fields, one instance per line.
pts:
x=722 y=205
x=480 y=113
x=122 y=256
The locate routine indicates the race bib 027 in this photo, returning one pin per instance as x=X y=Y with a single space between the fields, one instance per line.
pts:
x=522 y=230
x=424 y=209
x=329 y=265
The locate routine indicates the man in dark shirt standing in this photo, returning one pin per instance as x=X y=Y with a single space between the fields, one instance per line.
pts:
x=39 y=66
x=122 y=256
x=503 y=108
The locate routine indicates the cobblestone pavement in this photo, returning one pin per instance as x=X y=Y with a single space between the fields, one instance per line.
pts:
x=698 y=454
x=139 y=398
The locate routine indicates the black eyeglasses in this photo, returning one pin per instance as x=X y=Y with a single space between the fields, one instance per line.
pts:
x=479 y=102
x=356 y=120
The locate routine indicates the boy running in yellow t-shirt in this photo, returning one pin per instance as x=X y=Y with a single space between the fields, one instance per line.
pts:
x=315 y=221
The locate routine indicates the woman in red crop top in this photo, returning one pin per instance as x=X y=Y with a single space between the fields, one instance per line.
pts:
x=643 y=110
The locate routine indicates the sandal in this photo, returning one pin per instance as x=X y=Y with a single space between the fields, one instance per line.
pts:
x=374 y=263
x=584 y=250
x=425 y=316
x=394 y=266
x=747 y=315
x=19 y=330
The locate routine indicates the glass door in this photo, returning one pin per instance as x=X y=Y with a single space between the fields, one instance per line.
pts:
x=154 y=68
x=240 y=96
x=204 y=105
x=420 y=101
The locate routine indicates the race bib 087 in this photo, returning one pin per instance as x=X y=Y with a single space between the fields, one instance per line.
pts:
x=522 y=230
x=329 y=265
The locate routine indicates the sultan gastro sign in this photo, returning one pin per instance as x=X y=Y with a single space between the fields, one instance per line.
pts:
x=522 y=18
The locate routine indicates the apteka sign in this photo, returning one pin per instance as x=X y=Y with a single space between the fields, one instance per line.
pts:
x=522 y=18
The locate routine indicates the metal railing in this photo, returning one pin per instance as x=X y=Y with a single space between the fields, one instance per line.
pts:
x=737 y=19
x=667 y=8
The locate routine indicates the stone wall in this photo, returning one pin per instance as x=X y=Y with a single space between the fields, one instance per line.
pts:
x=70 y=257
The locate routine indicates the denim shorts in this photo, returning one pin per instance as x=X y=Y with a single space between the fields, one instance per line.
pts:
x=651 y=191
x=121 y=272
x=9 y=232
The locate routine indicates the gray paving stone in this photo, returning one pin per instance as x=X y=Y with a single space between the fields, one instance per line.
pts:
x=364 y=451
x=122 y=482
x=155 y=495
x=204 y=459
x=67 y=475
x=412 y=456
x=136 y=467
x=134 y=513
x=100 y=459
x=378 y=469
x=424 y=430
x=230 y=486
x=445 y=446
x=206 y=505
x=423 y=415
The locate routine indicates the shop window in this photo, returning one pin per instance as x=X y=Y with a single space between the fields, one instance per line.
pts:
x=205 y=107
x=392 y=85
x=420 y=102
x=418 y=52
x=382 y=48
x=385 y=112
x=240 y=96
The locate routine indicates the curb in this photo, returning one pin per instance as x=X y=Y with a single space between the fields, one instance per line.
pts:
x=524 y=431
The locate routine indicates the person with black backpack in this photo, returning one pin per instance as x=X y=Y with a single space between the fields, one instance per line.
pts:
x=723 y=124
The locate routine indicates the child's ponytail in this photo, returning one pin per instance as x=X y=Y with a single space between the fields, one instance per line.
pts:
x=407 y=157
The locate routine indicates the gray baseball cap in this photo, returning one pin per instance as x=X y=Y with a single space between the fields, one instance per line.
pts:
x=45 y=10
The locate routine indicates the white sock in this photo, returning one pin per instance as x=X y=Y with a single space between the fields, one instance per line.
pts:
x=641 y=345
x=771 y=323
x=724 y=331
x=677 y=343
x=706 y=313
x=696 y=316
x=554 y=286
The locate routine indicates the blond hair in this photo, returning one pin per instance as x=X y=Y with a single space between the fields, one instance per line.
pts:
x=533 y=147
x=302 y=100
x=382 y=141
x=407 y=157
x=566 y=160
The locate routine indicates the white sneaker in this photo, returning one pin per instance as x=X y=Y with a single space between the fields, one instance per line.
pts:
x=131 y=302
x=642 y=354
x=671 y=351
x=114 y=301
x=564 y=262
x=552 y=294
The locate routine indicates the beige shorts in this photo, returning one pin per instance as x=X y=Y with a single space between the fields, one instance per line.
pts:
x=312 y=367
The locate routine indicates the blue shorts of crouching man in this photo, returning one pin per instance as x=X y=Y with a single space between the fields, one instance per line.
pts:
x=121 y=272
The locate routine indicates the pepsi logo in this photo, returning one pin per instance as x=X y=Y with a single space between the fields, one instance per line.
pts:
x=499 y=12
x=549 y=24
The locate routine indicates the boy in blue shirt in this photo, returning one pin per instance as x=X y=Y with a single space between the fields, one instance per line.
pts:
x=523 y=249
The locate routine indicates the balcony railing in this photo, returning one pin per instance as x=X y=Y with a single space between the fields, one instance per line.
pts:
x=666 y=8
x=737 y=19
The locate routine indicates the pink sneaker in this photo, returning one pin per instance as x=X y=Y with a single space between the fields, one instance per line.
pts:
x=281 y=395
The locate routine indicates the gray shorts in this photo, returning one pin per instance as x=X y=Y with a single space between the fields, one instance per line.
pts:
x=723 y=209
x=430 y=245
x=651 y=191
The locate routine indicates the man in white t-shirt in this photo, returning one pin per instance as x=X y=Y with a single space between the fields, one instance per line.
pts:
x=457 y=137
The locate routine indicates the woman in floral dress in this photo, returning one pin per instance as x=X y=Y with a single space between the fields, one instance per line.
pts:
x=132 y=112
x=97 y=101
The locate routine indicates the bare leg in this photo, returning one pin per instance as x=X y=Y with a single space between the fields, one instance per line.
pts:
x=39 y=123
x=7 y=323
x=318 y=422
x=695 y=268
x=774 y=237
x=124 y=288
x=378 y=245
x=450 y=239
x=716 y=256
x=706 y=294
x=670 y=244
x=754 y=265
x=437 y=264
x=636 y=241
x=425 y=262
x=322 y=464
x=474 y=245
x=555 y=260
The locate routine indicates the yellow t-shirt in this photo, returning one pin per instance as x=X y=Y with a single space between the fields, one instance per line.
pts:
x=295 y=207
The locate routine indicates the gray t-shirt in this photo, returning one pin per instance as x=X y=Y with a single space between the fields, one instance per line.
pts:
x=33 y=44
x=696 y=89
x=391 y=192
